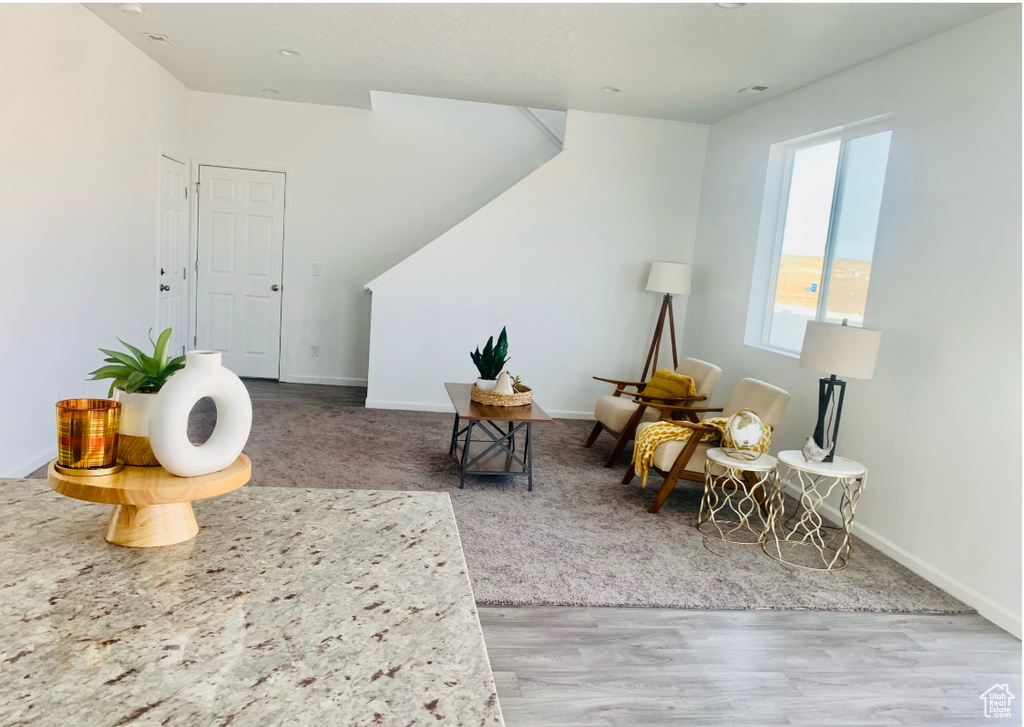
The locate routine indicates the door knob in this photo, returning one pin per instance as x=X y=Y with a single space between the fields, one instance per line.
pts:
x=275 y=286
x=164 y=287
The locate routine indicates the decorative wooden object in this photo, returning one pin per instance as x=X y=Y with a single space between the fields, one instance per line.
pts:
x=136 y=451
x=152 y=507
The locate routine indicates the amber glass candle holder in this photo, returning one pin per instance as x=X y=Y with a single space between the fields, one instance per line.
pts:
x=87 y=435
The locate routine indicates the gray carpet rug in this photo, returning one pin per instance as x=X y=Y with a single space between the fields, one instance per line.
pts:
x=580 y=538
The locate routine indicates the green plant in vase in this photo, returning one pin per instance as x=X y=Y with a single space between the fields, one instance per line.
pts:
x=137 y=371
x=491 y=361
x=135 y=380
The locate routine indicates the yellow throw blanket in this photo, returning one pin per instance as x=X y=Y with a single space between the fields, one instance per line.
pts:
x=650 y=437
x=667 y=384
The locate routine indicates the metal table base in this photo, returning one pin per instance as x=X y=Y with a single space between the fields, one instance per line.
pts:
x=495 y=455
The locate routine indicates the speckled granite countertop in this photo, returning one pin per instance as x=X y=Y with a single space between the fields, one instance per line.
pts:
x=291 y=607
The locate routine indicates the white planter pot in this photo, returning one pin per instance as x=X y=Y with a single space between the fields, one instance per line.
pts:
x=133 y=446
x=486 y=384
x=202 y=376
x=135 y=412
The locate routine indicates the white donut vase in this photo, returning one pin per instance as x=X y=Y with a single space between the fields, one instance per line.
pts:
x=202 y=376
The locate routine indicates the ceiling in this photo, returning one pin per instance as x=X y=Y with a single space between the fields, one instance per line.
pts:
x=670 y=61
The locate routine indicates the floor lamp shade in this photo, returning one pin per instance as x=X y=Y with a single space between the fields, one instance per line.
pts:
x=671 y=278
x=845 y=351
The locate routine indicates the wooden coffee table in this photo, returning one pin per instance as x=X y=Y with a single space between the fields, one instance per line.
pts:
x=152 y=507
x=497 y=454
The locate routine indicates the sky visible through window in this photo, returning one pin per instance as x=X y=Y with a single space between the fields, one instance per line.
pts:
x=802 y=277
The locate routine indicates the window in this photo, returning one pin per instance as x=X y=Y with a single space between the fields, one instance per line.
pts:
x=828 y=191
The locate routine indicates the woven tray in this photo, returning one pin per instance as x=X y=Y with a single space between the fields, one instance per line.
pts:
x=523 y=395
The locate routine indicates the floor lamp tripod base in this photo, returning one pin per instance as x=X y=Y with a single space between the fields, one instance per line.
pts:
x=652 y=355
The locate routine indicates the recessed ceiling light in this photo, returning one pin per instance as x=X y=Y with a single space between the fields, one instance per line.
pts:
x=610 y=89
x=158 y=38
x=286 y=52
x=755 y=89
x=730 y=6
x=130 y=8
x=270 y=90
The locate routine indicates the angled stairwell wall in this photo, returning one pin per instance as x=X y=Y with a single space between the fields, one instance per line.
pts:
x=561 y=259
x=365 y=189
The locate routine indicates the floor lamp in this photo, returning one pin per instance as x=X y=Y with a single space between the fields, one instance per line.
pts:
x=839 y=351
x=670 y=279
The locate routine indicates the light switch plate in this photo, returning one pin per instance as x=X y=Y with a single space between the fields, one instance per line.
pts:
x=316 y=268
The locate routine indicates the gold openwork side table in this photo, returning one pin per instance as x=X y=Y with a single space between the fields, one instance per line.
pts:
x=736 y=491
x=804 y=538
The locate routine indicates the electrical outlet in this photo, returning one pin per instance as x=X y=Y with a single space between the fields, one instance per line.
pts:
x=315 y=351
x=316 y=268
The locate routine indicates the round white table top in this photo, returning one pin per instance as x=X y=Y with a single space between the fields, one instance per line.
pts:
x=763 y=463
x=841 y=467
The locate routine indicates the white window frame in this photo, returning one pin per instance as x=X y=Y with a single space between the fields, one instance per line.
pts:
x=773 y=225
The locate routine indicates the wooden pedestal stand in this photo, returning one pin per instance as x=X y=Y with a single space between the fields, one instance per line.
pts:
x=152 y=507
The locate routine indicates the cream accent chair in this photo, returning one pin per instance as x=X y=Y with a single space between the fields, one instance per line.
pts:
x=620 y=415
x=686 y=459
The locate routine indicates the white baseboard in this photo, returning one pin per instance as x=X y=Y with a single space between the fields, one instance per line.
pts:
x=1001 y=616
x=408 y=406
x=322 y=380
x=570 y=414
x=419 y=406
x=31 y=464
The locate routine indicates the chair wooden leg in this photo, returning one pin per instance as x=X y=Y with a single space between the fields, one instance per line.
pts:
x=620 y=445
x=678 y=467
x=628 y=432
x=594 y=434
x=664 y=492
x=630 y=474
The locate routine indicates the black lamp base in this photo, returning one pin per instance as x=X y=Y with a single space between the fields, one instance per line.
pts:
x=826 y=396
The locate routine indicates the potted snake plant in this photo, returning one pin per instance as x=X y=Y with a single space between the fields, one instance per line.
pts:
x=136 y=378
x=491 y=361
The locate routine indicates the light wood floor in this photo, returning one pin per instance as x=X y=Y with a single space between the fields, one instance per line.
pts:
x=576 y=667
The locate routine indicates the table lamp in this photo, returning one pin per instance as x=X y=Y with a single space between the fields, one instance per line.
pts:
x=838 y=350
x=670 y=279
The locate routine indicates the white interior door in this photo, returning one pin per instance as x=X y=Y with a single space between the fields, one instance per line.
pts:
x=172 y=310
x=238 y=281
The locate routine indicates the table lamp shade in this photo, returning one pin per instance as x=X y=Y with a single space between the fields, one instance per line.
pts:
x=673 y=278
x=846 y=351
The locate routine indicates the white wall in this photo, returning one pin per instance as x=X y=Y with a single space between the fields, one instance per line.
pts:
x=561 y=259
x=83 y=117
x=365 y=189
x=940 y=424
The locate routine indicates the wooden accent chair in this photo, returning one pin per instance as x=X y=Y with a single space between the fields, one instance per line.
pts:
x=620 y=415
x=685 y=460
